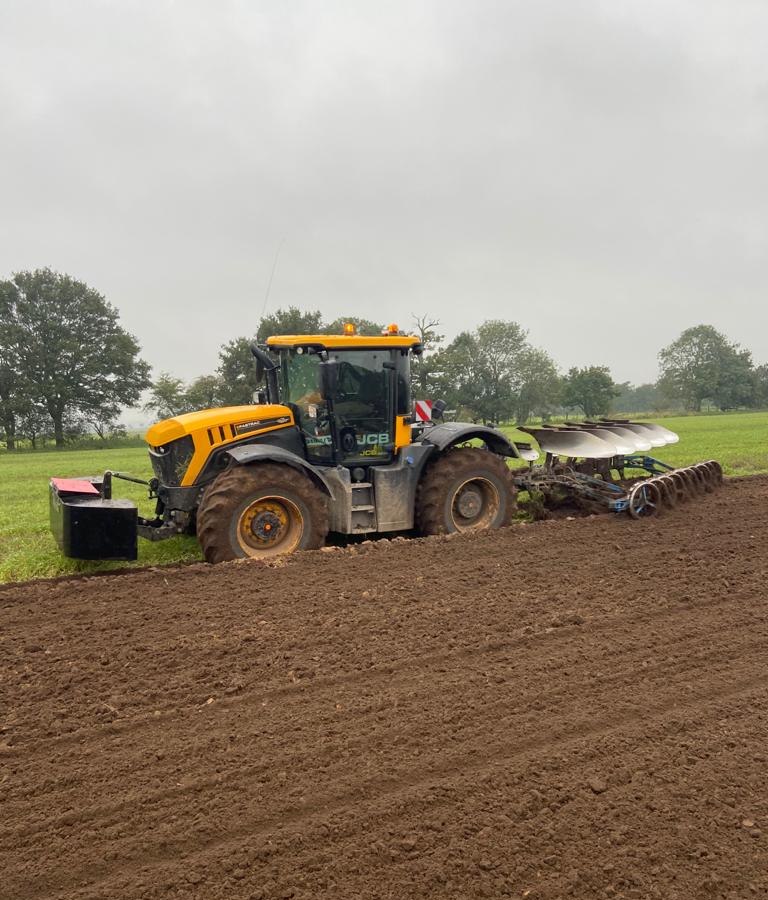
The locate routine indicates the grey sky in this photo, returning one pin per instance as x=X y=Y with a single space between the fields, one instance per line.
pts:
x=594 y=170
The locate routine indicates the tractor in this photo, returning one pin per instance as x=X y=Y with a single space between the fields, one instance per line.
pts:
x=328 y=446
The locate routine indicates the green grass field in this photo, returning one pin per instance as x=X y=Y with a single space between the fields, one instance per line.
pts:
x=27 y=549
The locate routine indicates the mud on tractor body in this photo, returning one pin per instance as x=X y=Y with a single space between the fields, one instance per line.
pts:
x=331 y=446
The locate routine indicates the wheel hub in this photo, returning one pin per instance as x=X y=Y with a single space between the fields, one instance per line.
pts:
x=474 y=504
x=266 y=526
x=469 y=502
x=269 y=525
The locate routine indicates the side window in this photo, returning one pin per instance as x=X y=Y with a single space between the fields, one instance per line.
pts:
x=402 y=369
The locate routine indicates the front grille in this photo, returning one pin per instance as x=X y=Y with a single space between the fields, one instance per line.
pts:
x=171 y=461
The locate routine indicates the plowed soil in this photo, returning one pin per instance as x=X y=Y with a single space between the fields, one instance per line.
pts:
x=567 y=709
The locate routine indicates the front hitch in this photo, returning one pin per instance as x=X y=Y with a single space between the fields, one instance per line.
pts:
x=88 y=523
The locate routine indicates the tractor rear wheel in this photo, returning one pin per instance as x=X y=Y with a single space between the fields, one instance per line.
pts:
x=260 y=511
x=465 y=489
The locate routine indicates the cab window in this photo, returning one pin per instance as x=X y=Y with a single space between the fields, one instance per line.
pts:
x=363 y=404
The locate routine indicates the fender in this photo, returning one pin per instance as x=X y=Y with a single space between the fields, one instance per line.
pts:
x=253 y=453
x=450 y=433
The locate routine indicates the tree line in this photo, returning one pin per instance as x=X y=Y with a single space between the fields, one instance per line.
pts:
x=68 y=367
x=494 y=373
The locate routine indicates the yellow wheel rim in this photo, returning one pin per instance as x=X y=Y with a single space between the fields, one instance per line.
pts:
x=270 y=526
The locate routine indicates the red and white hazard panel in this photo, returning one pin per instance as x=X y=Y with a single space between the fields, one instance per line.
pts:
x=422 y=410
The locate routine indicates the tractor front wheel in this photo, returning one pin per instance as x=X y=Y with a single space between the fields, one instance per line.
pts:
x=260 y=511
x=465 y=489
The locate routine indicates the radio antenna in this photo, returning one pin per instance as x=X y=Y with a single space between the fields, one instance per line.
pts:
x=271 y=278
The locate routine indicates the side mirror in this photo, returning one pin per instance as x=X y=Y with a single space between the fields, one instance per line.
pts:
x=267 y=368
x=263 y=362
x=438 y=409
x=329 y=378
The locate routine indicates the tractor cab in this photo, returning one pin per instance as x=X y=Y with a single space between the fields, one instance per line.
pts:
x=349 y=394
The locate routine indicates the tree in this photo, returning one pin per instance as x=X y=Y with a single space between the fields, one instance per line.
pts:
x=481 y=370
x=540 y=385
x=168 y=397
x=33 y=424
x=11 y=403
x=290 y=321
x=736 y=383
x=424 y=371
x=702 y=364
x=68 y=347
x=760 y=393
x=15 y=400
x=205 y=392
x=501 y=347
x=458 y=374
x=638 y=398
x=591 y=389
x=237 y=372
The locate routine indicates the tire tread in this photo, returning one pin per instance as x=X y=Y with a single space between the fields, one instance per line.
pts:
x=455 y=463
x=225 y=494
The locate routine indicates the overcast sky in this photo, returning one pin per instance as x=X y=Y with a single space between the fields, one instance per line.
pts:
x=597 y=171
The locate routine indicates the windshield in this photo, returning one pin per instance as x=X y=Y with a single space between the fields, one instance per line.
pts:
x=301 y=378
x=300 y=389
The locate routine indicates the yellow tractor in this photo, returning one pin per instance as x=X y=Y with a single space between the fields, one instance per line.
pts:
x=329 y=446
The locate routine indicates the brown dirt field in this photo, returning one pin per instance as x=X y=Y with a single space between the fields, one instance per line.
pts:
x=569 y=709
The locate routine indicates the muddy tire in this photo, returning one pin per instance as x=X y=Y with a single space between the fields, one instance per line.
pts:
x=465 y=489
x=260 y=511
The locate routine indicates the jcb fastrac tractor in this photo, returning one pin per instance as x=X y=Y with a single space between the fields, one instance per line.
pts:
x=331 y=446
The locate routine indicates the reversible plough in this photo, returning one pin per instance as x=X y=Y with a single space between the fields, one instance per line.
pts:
x=591 y=464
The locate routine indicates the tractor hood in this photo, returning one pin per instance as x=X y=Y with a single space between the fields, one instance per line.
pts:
x=233 y=420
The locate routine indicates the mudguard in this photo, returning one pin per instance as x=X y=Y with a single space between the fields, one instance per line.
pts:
x=252 y=453
x=444 y=436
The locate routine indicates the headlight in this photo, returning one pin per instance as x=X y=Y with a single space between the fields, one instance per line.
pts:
x=171 y=461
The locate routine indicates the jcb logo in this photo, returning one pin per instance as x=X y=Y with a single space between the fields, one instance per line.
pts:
x=366 y=439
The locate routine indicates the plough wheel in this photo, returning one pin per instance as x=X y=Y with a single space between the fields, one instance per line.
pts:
x=644 y=500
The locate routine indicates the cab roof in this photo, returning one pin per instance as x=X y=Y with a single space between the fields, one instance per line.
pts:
x=344 y=341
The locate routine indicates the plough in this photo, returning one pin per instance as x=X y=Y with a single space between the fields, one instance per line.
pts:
x=588 y=464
